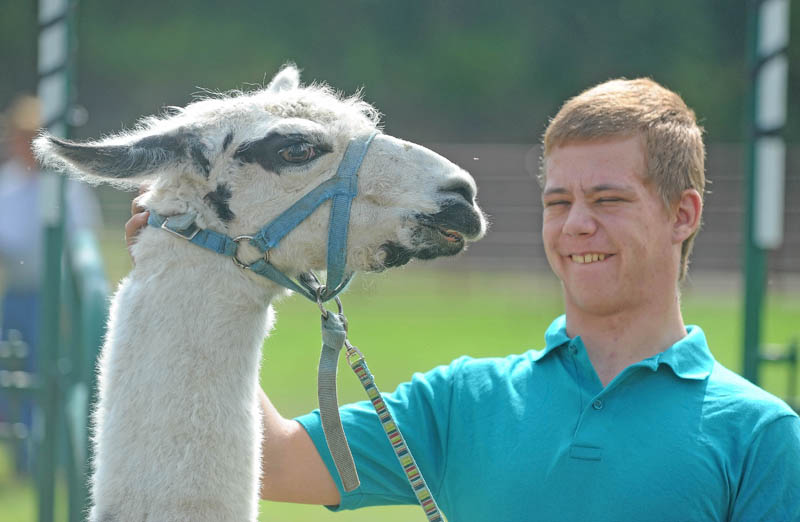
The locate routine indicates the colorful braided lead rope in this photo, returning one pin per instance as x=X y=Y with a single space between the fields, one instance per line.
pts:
x=407 y=461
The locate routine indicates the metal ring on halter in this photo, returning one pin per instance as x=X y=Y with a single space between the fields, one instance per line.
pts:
x=235 y=256
x=341 y=313
x=319 y=290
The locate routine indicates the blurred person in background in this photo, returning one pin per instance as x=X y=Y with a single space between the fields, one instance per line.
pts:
x=625 y=414
x=21 y=237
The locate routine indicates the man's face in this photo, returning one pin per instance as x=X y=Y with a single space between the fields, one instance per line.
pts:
x=607 y=234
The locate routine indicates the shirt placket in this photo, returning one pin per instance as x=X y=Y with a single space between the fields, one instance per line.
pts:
x=586 y=444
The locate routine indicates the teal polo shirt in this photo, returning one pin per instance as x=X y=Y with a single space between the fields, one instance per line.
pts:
x=536 y=436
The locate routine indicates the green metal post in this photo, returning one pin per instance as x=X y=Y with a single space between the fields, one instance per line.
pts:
x=75 y=405
x=71 y=421
x=49 y=371
x=768 y=64
x=754 y=258
x=54 y=68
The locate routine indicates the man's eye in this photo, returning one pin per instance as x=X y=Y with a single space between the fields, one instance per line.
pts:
x=298 y=153
x=556 y=203
x=608 y=200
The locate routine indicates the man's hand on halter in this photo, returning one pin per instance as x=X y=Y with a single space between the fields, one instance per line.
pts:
x=137 y=221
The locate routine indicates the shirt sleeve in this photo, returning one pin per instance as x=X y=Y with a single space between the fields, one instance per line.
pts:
x=769 y=488
x=421 y=410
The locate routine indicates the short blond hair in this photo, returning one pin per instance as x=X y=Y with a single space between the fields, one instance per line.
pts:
x=674 y=149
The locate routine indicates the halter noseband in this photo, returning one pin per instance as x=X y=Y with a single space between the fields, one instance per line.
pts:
x=341 y=188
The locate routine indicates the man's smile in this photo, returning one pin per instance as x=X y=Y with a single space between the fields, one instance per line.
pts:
x=588 y=258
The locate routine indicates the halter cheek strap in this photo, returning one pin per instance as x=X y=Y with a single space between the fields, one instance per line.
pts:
x=341 y=189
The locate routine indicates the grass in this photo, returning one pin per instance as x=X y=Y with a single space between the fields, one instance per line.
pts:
x=413 y=319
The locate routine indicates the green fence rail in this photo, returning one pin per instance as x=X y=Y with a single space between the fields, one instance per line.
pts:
x=65 y=384
x=15 y=385
x=86 y=298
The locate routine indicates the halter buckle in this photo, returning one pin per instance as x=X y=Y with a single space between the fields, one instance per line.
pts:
x=187 y=236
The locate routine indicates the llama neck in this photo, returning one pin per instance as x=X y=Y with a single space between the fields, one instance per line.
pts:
x=178 y=390
x=204 y=290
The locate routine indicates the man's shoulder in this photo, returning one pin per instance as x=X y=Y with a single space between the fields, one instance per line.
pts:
x=730 y=394
x=481 y=374
x=495 y=365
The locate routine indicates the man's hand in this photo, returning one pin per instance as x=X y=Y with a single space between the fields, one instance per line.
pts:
x=137 y=221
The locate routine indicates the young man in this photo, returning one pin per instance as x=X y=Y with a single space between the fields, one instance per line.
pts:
x=625 y=414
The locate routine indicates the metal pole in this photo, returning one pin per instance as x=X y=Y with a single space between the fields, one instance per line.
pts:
x=768 y=38
x=54 y=94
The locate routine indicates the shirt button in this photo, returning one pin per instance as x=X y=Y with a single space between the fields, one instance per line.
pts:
x=597 y=404
x=573 y=349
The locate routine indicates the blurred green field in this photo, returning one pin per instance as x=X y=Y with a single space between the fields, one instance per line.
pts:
x=415 y=318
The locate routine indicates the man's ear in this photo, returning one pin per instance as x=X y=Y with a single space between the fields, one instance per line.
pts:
x=124 y=160
x=688 y=212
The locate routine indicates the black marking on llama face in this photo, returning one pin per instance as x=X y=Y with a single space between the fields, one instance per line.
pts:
x=227 y=141
x=264 y=151
x=396 y=254
x=218 y=199
x=200 y=158
x=456 y=214
x=461 y=188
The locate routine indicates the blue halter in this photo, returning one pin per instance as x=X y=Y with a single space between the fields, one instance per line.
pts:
x=341 y=188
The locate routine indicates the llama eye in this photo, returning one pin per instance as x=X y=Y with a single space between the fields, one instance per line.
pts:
x=298 y=153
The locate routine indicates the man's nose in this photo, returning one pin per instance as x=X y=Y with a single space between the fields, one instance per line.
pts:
x=580 y=220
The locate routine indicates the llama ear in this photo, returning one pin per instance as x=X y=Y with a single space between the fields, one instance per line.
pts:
x=122 y=161
x=287 y=79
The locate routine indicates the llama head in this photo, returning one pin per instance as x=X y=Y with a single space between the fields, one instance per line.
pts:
x=239 y=160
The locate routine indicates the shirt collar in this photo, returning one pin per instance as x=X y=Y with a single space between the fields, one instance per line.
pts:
x=689 y=358
x=554 y=337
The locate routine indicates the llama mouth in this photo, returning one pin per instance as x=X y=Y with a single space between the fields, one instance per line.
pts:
x=445 y=233
x=455 y=221
x=448 y=234
x=428 y=242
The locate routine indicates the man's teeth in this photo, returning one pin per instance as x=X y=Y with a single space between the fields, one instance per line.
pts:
x=588 y=258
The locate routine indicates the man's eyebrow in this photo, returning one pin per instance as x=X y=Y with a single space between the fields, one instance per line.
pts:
x=555 y=190
x=603 y=187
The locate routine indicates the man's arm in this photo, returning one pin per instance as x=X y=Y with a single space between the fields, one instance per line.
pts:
x=768 y=489
x=292 y=470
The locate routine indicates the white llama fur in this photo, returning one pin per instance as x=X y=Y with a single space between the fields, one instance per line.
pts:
x=177 y=431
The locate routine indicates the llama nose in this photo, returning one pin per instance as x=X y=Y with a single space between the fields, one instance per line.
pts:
x=462 y=188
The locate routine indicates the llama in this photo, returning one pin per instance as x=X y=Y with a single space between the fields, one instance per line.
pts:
x=177 y=428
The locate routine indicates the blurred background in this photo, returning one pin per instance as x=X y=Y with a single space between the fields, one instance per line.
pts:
x=476 y=81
